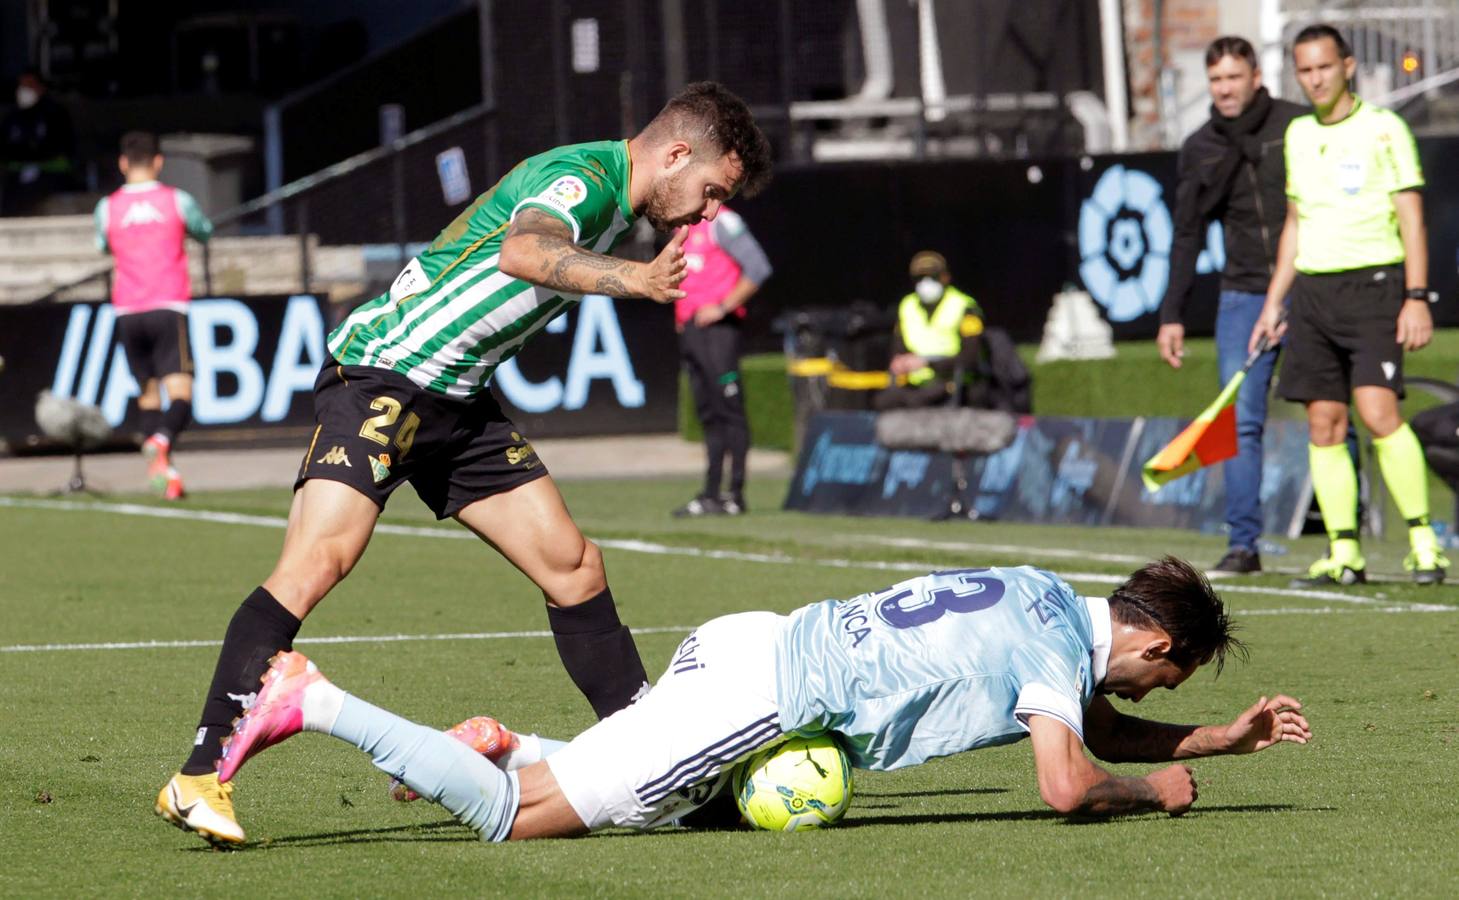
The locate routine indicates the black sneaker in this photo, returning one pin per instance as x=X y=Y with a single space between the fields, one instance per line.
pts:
x=1240 y=561
x=733 y=504
x=702 y=505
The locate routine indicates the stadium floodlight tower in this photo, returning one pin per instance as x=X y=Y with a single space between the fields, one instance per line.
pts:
x=74 y=424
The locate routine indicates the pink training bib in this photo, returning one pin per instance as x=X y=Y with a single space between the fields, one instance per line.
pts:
x=145 y=232
x=712 y=272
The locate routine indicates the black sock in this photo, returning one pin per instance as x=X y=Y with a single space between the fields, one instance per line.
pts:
x=150 y=420
x=260 y=628
x=598 y=652
x=179 y=414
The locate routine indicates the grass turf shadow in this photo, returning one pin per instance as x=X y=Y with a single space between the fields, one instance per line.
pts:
x=448 y=831
x=458 y=834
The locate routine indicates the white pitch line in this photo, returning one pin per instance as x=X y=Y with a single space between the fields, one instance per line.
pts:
x=1334 y=610
x=978 y=547
x=648 y=547
x=668 y=629
x=335 y=639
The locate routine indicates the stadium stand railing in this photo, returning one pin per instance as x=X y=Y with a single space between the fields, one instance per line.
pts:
x=1405 y=49
x=341 y=231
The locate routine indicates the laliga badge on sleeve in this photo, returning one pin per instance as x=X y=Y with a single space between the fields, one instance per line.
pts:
x=566 y=192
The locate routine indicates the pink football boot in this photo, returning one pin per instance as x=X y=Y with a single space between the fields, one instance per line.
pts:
x=277 y=712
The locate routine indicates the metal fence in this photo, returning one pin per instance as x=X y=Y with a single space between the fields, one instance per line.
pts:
x=1402 y=47
x=347 y=229
x=828 y=79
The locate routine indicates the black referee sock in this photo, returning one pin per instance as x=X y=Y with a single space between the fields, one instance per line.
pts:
x=598 y=652
x=178 y=416
x=260 y=628
x=150 y=420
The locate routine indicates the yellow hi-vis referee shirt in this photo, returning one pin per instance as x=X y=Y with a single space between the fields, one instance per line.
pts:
x=1343 y=177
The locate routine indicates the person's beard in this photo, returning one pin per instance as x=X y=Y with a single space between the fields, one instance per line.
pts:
x=659 y=208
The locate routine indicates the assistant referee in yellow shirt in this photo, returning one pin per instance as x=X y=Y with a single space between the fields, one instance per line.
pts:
x=1354 y=254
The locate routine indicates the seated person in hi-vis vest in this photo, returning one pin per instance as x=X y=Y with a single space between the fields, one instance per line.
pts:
x=936 y=338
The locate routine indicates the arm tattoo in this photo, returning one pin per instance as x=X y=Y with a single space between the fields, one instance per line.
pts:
x=1114 y=796
x=1130 y=739
x=612 y=286
x=564 y=266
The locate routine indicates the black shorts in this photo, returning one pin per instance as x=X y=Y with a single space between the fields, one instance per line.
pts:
x=376 y=429
x=156 y=343
x=1342 y=333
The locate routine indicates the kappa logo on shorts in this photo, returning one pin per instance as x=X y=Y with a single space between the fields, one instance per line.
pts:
x=336 y=456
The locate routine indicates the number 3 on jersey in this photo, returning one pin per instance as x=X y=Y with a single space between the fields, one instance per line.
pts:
x=972 y=592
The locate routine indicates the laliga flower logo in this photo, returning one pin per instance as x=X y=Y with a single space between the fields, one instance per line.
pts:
x=1124 y=243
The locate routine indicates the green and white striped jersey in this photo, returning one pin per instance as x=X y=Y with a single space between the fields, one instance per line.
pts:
x=450 y=318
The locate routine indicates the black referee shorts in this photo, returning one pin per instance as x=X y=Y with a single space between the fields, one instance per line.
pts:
x=377 y=429
x=156 y=343
x=1342 y=333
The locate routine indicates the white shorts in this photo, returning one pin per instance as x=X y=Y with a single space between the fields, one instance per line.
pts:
x=674 y=749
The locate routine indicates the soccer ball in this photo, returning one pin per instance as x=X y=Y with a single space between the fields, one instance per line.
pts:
x=799 y=784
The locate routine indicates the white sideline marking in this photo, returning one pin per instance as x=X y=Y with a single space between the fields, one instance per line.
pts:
x=1333 y=610
x=1014 y=549
x=335 y=639
x=665 y=629
x=647 y=547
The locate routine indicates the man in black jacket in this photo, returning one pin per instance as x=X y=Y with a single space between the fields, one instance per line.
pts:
x=1232 y=170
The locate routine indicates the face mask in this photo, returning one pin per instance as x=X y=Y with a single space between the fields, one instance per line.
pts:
x=929 y=289
x=26 y=97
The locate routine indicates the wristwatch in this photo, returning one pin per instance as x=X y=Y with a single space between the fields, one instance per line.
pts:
x=1421 y=294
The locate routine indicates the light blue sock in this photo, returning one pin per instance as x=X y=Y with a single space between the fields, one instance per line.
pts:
x=434 y=765
x=531 y=748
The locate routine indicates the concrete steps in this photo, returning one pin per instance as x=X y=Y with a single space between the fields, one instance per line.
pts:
x=37 y=255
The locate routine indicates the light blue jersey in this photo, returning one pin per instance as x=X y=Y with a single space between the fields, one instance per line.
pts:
x=940 y=664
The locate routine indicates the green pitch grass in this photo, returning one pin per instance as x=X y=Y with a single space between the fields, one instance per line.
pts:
x=87 y=736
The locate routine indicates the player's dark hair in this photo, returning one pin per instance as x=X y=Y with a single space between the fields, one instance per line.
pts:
x=1233 y=46
x=139 y=147
x=1172 y=595
x=1318 y=32
x=707 y=112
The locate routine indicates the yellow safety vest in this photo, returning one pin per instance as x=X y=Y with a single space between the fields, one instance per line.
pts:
x=938 y=335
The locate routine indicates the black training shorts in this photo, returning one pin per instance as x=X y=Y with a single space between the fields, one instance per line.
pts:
x=376 y=429
x=156 y=343
x=1342 y=333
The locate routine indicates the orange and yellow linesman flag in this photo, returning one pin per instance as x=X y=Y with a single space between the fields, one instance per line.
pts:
x=1210 y=439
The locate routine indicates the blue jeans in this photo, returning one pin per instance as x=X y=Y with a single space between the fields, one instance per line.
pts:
x=1242 y=473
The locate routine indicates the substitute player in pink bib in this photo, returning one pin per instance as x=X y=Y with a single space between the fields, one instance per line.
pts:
x=724 y=267
x=143 y=225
